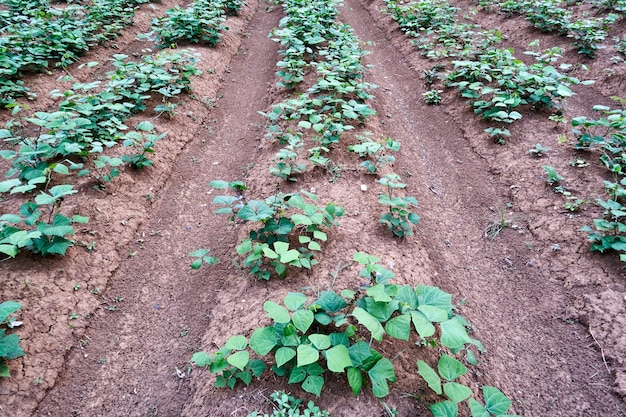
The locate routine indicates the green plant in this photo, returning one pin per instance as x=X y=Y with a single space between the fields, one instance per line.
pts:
x=9 y=344
x=377 y=151
x=143 y=140
x=552 y=176
x=432 y=96
x=398 y=218
x=291 y=229
x=330 y=335
x=286 y=405
x=39 y=226
x=539 y=150
x=202 y=256
x=202 y=22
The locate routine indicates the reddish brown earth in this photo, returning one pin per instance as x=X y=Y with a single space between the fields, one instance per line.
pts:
x=553 y=321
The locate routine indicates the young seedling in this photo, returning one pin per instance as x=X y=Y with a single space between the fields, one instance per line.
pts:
x=398 y=218
x=539 y=150
x=552 y=176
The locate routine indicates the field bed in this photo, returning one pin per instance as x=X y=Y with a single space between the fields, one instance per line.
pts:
x=110 y=328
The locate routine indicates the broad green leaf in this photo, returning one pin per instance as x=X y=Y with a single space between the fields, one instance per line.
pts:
x=302 y=319
x=239 y=359
x=306 y=354
x=330 y=301
x=363 y=258
x=338 y=358
x=407 y=295
x=399 y=327
x=319 y=235
x=495 y=401
x=360 y=352
x=219 y=184
x=456 y=392
x=313 y=384
x=10 y=250
x=263 y=340
x=433 y=296
x=379 y=375
x=429 y=375
x=434 y=314
x=422 y=325
x=301 y=219
x=377 y=292
x=284 y=355
x=145 y=126
x=297 y=375
x=7 y=308
x=289 y=256
x=450 y=368
x=444 y=409
x=454 y=335
x=10 y=347
x=236 y=343
x=79 y=219
x=320 y=341
x=257 y=367
x=276 y=312
x=477 y=409
x=8 y=184
x=355 y=379
x=4 y=371
x=370 y=323
x=201 y=359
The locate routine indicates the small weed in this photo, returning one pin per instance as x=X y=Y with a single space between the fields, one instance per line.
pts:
x=498 y=224
x=552 y=176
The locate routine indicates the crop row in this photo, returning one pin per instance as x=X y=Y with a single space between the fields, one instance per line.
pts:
x=308 y=340
x=496 y=84
x=555 y=16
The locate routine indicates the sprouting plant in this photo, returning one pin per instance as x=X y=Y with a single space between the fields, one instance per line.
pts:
x=143 y=140
x=168 y=108
x=498 y=224
x=202 y=256
x=539 y=150
x=552 y=176
x=432 y=96
x=398 y=218
x=9 y=344
x=499 y=134
x=286 y=405
x=573 y=204
x=377 y=151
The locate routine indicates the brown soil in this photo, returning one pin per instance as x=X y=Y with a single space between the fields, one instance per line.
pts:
x=552 y=321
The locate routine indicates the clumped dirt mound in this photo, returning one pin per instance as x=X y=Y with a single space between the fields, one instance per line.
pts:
x=551 y=314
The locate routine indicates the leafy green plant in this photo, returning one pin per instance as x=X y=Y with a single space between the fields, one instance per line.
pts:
x=432 y=96
x=376 y=151
x=9 y=344
x=291 y=229
x=202 y=22
x=329 y=335
x=202 y=256
x=39 y=226
x=286 y=405
x=539 y=150
x=143 y=140
x=552 y=176
x=398 y=218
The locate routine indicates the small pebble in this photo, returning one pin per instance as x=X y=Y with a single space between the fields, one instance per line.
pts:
x=363 y=187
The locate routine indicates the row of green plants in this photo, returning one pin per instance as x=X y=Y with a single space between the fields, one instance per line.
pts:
x=559 y=17
x=48 y=151
x=339 y=332
x=607 y=136
x=200 y=22
x=35 y=36
x=496 y=83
